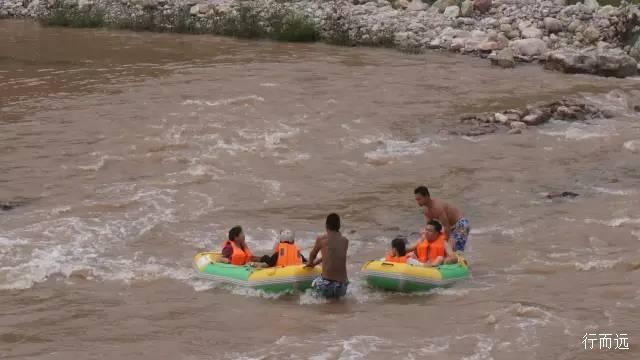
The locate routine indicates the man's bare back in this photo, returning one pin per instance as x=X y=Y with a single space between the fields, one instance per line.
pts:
x=333 y=247
x=445 y=213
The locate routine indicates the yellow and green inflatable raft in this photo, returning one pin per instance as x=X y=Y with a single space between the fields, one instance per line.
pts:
x=408 y=278
x=271 y=280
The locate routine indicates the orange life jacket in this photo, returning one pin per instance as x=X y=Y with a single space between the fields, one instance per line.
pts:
x=427 y=251
x=396 y=259
x=239 y=256
x=288 y=254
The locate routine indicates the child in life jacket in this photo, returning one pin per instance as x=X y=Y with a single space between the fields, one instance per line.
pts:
x=398 y=253
x=286 y=253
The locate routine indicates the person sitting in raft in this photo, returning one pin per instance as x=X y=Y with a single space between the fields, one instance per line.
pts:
x=285 y=253
x=398 y=253
x=236 y=251
x=433 y=249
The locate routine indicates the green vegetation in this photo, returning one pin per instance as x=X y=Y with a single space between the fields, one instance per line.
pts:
x=245 y=21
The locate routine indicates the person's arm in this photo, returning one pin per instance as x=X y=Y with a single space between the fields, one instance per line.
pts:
x=411 y=249
x=438 y=261
x=450 y=256
x=227 y=251
x=313 y=254
x=270 y=260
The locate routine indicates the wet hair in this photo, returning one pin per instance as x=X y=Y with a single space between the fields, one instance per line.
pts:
x=333 y=222
x=400 y=245
x=422 y=190
x=436 y=225
x=234 y=232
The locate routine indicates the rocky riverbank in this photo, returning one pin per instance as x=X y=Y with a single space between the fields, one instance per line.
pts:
x=580 y=38
x=514 y=121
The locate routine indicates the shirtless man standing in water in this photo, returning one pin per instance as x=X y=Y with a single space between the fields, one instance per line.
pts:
x=333 y=246
x=456 y=227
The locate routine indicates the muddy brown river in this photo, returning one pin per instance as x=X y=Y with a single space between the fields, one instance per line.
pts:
x=128 y=153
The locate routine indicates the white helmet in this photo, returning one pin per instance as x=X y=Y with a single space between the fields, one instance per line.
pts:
x=287 y=235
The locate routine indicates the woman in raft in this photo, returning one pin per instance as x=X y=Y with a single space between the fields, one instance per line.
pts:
x=236 y=251
x=431 y=250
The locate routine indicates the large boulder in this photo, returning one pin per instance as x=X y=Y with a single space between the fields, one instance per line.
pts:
x=482 y=6
x=466 y=9
x=452 y=12
x=529 y=47
x=553 y=25
x=598 y=61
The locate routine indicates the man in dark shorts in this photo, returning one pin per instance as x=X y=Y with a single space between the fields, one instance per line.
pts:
x=333 y=282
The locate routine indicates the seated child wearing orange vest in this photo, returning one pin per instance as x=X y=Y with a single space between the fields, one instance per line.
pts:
x=398 y=253
x=286 y=253
x=235 y=250
x=432 y=249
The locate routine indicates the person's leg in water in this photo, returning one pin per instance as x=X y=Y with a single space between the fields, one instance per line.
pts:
x=460 y=234
x=328 y=288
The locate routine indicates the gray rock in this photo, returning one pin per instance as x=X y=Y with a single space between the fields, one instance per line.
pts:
x=529 y=47
x=606 y=62
x=513 y=34
x=466 y=9
x=441 y=5
x=514 y=131
x=552 y=25
x=458 y=44
x=634 y=50
x=501 y=118
x=452 y=12
x=591 y=4
x=417 y=5
x=531 y=33
x=616 y=63
x=518 y=125
x=505 y=28
x=522 y=25
x=535 y=119
x=591 y=34
x=503 y=58
x=632 y=145
x=401 y=4
x=502 y=41
x=574 y=26
x=607 y=11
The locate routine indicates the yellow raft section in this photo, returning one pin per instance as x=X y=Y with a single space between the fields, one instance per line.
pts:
x=207 y=265
x=405 y=277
